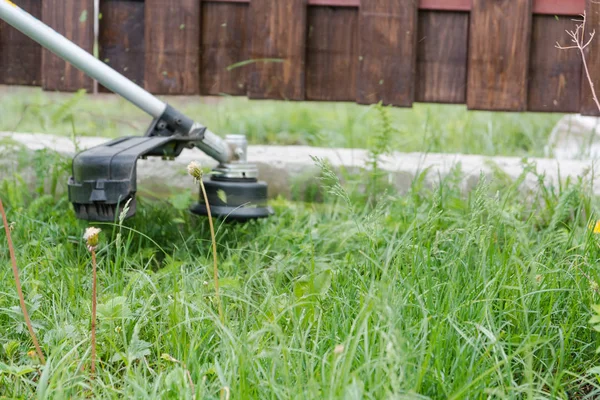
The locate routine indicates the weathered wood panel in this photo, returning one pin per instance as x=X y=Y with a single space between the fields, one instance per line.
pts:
x=224 y=44
x=445 y=5
x=121 y=37
x=548 y=7
x=75 y=20
x=554 y=74
x=442 y=57
x=387 y=51
x=559 y=7
x=172 y=57
x=332 y=54
x=499 y=55
x=277 y=48
x=592 y=55
x=20 y=56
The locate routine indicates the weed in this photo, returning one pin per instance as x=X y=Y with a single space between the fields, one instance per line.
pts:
x=7 y=229
x=446 y=295
x=196 y=172
x=91 y=238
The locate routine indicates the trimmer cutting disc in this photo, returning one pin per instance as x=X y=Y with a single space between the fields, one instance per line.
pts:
x=234 y=199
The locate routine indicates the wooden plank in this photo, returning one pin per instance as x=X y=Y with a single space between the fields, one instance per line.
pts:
x=387 y=51
x=442 y=57
x=330 y=3
x=121 y=37
x=592 y=56
x=172 y=58
x=499 y=55
x=75 y=20
x=554 y=74
x=224 y=44
x=277 y=36
x=445 y=5
x=20 y=56
x=332 y=54
x=549 y=7
x=334 y=3
x=559 y=7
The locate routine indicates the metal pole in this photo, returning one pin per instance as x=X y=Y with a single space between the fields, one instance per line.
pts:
x=80 y=58
x=211 y=144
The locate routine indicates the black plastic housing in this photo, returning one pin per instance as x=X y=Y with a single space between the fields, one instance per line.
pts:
x=104 y=177
x=234 y=199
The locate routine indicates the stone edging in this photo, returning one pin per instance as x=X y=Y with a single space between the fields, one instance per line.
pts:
x=286 y=167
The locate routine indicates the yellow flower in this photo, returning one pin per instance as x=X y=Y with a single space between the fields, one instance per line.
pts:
x=597 y=227
x=91 y=237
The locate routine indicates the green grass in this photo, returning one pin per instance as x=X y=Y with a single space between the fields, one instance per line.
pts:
x=424 y=128
x=435 y=293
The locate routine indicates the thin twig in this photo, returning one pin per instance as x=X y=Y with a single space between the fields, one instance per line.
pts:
x=214 y=246
x=93 y=368
x=578 y=37
x=13 y=260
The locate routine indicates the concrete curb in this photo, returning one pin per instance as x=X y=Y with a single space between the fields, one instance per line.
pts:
x=291 y=168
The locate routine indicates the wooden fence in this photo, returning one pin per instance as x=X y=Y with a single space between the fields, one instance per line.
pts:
x=489 y=54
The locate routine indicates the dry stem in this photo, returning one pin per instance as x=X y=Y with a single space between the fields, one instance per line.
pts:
x=93 y=368
x=214 y=246
x=578 y=38
x=13 y=260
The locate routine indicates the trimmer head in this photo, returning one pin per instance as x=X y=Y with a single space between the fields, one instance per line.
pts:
x=234 y=200
x=104 y=180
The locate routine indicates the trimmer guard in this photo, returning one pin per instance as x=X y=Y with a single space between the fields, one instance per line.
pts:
x=104 y=177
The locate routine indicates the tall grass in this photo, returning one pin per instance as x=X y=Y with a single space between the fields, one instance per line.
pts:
x=424 y=127
x=436 y=293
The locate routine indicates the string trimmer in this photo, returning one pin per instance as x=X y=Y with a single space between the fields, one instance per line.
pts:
x=104 y=177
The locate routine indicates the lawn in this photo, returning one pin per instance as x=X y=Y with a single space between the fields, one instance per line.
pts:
x=424 y=128
x=434 y=293
x=366 y=293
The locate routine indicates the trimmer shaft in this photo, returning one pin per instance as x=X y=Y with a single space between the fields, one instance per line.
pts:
x=104 y=177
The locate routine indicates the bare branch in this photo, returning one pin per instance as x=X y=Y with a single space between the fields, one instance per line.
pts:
x=578 y=37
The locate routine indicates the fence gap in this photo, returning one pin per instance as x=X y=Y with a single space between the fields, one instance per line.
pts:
x=75 y=20
x=442 y=57
x=20 y=57
x=387 y=51
x=592 y=55
x=172 y=51
x=332 y=53
x=554 y=75
x=277 y=49
x=121 y=38
x=500 y=33
x=224 y=48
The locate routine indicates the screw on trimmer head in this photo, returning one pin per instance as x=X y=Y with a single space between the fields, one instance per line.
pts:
x=104 y=177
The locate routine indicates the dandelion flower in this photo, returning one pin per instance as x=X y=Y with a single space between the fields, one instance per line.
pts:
x=195 y=170
x=597 y=227
x=91 y=237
